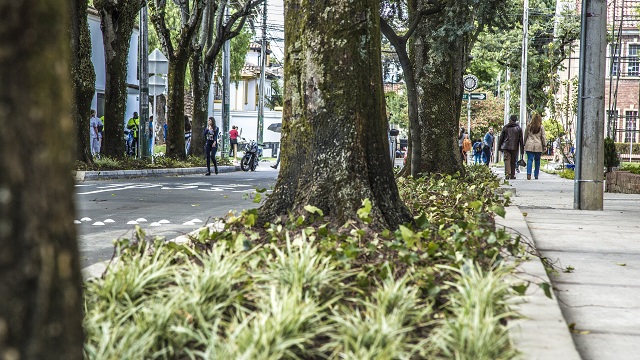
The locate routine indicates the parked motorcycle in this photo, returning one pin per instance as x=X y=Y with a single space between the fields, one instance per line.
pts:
x=252 y=155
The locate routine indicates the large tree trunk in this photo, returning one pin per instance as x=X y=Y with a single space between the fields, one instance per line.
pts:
x=335 y=148
x=439 y=81
x=201 y=79
x=117 y=19
x=84 y=78
x=175 y=112
x=40 y=282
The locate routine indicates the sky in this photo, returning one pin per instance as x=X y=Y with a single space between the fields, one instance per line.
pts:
x=275 y=28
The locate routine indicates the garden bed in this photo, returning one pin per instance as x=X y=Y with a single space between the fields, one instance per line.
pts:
x=622 y=182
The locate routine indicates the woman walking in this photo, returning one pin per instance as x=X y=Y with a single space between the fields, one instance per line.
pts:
x=534 y=143
x=211 y=145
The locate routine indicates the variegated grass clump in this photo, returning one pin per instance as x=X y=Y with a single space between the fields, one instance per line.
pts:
x=475 y=328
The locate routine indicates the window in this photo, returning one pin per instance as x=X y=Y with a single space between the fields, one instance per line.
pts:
x=614 y=59
x=633 y=66
x=612 y=120
x=631 y=118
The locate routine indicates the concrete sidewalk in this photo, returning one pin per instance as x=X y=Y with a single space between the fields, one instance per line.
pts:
x=597 y=286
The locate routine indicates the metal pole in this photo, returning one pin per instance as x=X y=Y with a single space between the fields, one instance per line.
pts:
x=507 y=98
x=226 y=63
x=143 y=131
x=588 y=180
x=469 y=115
x=263 y=62
x=523 y=73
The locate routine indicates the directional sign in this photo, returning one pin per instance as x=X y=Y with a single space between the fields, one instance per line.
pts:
x=475 y=96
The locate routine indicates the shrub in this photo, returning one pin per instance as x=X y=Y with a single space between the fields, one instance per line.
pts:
x=611 y=156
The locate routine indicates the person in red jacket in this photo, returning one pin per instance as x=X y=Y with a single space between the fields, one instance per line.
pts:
x=233 y=139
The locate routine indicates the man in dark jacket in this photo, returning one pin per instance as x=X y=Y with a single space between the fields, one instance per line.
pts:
x=510 y=141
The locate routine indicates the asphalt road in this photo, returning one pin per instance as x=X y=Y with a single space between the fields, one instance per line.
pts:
x=163 y=206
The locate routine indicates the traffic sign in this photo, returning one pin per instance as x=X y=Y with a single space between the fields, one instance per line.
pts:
x=470 y=82
x=475 y=96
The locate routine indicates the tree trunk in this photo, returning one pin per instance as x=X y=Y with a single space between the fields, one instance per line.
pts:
x=201 y=83
x=116 y=21
x=40 y=282
x=84 y=78
x=439 y=82
x=335 y=148
x=175 y=113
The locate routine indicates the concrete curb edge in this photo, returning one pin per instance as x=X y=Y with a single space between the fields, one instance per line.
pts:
x=542 y=333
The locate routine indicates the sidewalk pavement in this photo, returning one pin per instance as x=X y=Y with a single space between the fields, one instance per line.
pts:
x=597 y=286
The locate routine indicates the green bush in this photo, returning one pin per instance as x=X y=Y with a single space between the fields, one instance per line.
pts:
x=611 y=156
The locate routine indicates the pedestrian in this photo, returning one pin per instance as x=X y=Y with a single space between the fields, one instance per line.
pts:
x=277 y=161
x=151 y=134
x=534 y=143
x=477 y=152
x=466 y=147
x=233 y=139
x=187 y=134
x=95 y=130
x=211 y=145
x=487 y=146
x=460 y=141
x=556 y=150
x=134 y=125
x=509 y=142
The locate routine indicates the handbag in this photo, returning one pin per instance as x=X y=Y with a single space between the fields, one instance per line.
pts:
x=521 y=162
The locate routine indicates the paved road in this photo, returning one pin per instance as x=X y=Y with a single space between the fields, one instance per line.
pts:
x=165 y=206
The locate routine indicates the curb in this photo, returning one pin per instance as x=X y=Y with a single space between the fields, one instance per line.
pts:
x=128 y=174
x=96 y=270
x=542 y=332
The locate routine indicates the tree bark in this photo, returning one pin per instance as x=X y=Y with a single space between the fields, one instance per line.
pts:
x=175 y=105
x=84 y=78
x=335 y=148
x=439 y=70
x=40 y=282
x=117 y=19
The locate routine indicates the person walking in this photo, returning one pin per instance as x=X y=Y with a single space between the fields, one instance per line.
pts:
x=233 y=140
x=487 y=146
x=535 y=142
x=460 y=141
x=134 y=125
x=466 y=147
x=211 y=145
x=477 y=152
x=95 y=132
x=509 y=142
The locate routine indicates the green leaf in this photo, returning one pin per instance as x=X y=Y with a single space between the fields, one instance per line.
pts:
x=521 y=289
x=313 y=210
x=257 y=198
x=364 y=211
x=547 y=289
x=499 y=210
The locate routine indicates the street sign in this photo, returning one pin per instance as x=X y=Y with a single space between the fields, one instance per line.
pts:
x=475 y=96
x=470 y=82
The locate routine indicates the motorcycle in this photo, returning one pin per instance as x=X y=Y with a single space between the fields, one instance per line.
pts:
x=251 y=157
